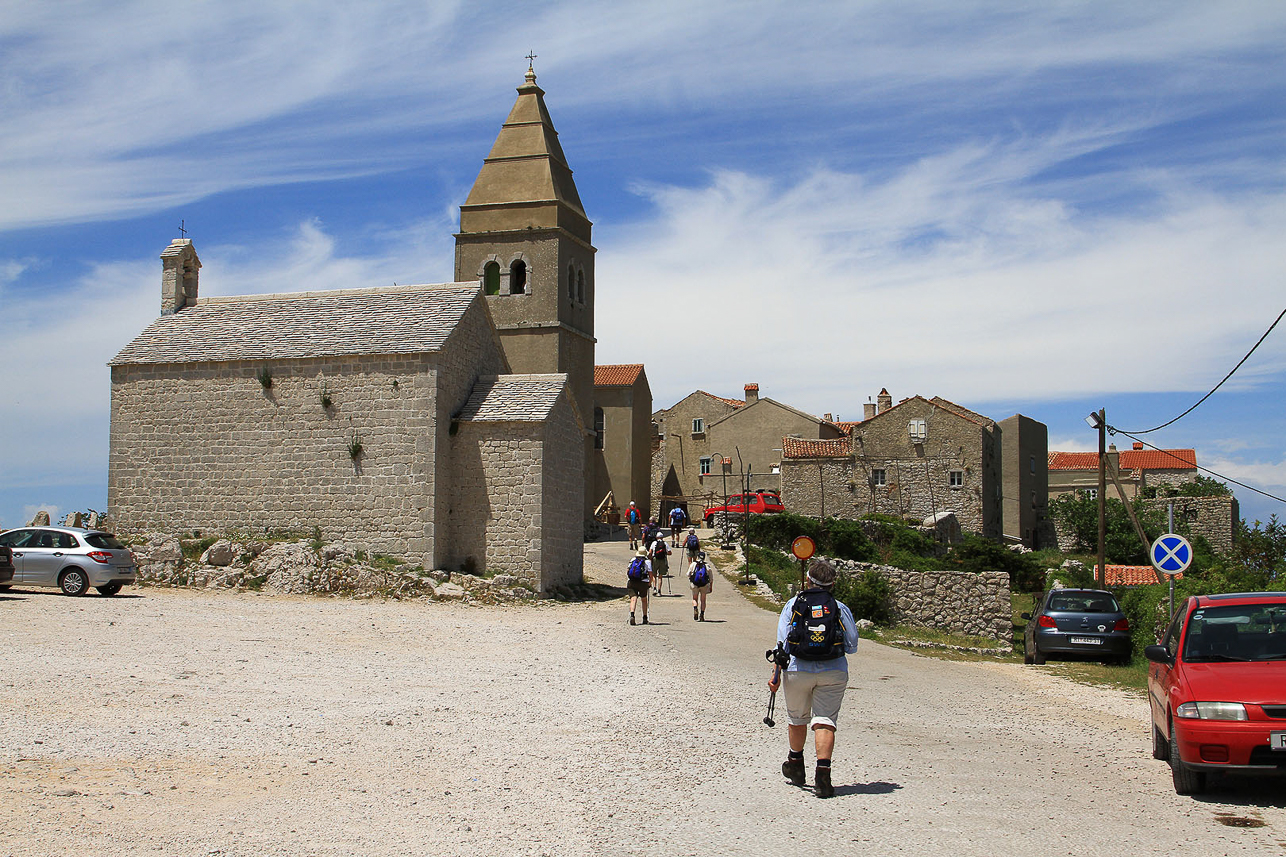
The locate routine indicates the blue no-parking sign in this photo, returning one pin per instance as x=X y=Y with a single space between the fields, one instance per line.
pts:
x=1171 y=554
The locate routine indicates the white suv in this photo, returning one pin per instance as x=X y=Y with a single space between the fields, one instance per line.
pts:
x=71 y=558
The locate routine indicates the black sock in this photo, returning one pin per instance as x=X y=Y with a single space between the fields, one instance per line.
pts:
x=796 y=756
x=823 y=763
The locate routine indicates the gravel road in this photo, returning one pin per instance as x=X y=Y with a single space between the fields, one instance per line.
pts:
x=218 y=723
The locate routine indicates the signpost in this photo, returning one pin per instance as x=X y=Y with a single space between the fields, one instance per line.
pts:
x=803 y=548
x=1171 y=554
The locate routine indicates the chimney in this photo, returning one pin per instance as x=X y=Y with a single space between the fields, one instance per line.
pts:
x=868 y=410
x=1138 y=444
x=883 y=401
x=752 y=393
x=179 y=267
x=828 y=419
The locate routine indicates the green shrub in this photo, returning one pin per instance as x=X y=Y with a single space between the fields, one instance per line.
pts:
x=869 y=595
x=977 y=554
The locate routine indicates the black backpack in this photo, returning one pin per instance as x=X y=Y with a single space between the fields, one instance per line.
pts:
x=638 y=569
x=816 y=631
x=700 y=575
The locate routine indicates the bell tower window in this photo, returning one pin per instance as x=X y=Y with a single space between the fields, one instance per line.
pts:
x=491 y=278
x=518 y=277
x=580 y=286
x=571 y=283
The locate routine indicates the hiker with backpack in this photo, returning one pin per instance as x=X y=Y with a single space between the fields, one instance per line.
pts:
x=639 y=582
x=651 y=532
x=634 y=521
x=693 y=544
x=678 y=518
x=660 y=563
x=702 y=581
x=816 y=631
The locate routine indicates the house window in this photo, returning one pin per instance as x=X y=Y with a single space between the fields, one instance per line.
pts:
x=957 y=479
x=1091 y=493
x=1032 y=465
x=705 y=465
x=1033 y=499
x=518 y=277
x=879 y=477
x=698 y=425
x=491 y=278
x=598 y=428
x=918 y=430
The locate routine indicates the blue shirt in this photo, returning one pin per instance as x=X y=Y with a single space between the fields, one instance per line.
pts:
x=840 y=663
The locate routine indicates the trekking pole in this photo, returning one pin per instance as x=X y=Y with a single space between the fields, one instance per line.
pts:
x=772 y=699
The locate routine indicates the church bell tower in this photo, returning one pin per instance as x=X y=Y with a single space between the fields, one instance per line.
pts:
x=525 y=239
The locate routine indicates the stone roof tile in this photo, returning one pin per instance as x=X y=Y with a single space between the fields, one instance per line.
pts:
x=513 y=398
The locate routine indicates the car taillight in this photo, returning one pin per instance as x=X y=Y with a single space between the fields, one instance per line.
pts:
x=1121 y=625
x=1046 y=622
x=100 y=556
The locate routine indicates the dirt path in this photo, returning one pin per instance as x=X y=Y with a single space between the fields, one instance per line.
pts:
x=204 y=723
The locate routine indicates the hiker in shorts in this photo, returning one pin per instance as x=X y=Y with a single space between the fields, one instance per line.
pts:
x=639 y=582
x=817 y=632
x=634 y=521
x=660 y=562
x=678 y=518
x=702 y=580
x=651 y=532
x=693 y=544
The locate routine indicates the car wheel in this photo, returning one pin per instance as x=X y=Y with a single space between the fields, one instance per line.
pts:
x=1187 y=781
x=73 y=582
x=110 y=589
x=1160 y=747
x=709 y=522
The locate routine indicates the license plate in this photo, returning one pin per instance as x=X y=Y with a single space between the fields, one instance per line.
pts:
x=1086 y=641
x=1277 y=740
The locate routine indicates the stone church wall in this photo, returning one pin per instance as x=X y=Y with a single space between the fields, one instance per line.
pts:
x=562 y=543
x=206 y=446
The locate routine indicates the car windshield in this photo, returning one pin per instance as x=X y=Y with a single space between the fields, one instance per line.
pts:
x=1082 y=602
x=106 y=541
x=1243 y=632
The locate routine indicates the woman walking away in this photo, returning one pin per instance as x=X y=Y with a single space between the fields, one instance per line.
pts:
x=660 y=562
x=639 y=582
x=702 y=585
x=693 y=544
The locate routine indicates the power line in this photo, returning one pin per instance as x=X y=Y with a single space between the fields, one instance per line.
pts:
x=1185 y=462
x=1217 y=386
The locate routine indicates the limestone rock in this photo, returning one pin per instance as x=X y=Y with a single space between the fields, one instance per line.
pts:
x=220 y=554
x=449 y=591
x=41 y=519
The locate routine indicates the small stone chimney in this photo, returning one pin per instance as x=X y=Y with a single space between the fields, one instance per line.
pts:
x=868 y=410
x=752 y=393
x=883 y=401
x=1138 y=445
x=828 y=418
x=179 y=267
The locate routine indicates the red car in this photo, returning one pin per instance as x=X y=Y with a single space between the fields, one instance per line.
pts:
x=760 y=502
x=1217 y=688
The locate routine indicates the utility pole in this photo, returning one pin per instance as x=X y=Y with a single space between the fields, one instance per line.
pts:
x=1098 y=420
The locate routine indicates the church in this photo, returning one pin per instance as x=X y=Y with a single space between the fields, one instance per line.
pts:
x=457 y=425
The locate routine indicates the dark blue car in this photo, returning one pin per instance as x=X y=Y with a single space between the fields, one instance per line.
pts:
x=1081 y=622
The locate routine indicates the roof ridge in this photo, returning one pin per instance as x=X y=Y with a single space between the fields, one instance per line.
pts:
x=324 y=293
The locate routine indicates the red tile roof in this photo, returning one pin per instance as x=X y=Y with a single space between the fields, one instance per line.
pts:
x=795 y=447
x=1130 y=575
x=622 y=375
x=736 y=403
x=847 y=427
x=1131 y=459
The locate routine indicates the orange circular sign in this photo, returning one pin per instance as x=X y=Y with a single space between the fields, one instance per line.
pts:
x=803 y=547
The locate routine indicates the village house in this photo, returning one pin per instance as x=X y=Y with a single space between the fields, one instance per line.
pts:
x=1136 y=469
x=623 y=436
x=706 y=441
x=445 y=423
x=922 y=458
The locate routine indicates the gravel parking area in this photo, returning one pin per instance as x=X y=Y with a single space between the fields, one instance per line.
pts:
x=181 y=722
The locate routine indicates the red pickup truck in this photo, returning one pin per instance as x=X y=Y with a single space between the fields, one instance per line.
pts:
x=760 y=502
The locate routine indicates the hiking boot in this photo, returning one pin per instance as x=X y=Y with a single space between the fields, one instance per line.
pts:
x=793 y=770
x=823 y=787
x=644 y=618
x=703 y=616
x=632 y=622
x=695 y=615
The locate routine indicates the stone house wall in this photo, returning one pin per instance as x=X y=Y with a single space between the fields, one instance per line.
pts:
x=561 y=548
x=206 y=446
x=1213 y=518
x=679 y=471
x=819 y=487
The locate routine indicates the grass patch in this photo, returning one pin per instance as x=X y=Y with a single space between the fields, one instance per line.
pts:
x=385 y=563
x=193 y=548
x=1133 y=677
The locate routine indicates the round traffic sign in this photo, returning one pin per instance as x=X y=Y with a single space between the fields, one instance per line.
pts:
x=803 y=548
x=1170 y=554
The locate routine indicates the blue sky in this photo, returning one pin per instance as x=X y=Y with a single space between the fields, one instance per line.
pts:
x=1044 y=208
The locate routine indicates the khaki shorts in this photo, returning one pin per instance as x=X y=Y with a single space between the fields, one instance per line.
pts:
x=703 y=590
x=638 y=587
x=813 y=699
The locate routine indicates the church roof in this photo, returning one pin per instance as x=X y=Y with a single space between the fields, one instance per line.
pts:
x=391 y=320
x=525 y=181
x=513 y=398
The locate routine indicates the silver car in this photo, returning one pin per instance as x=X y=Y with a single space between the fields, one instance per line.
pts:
x=71 y=558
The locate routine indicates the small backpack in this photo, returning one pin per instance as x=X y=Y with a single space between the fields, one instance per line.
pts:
x=659 y=549
x=676 y=516
x=816 y=631
x=632 y=516
x=700 y=575
x=693 y=542
x=638 y=569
